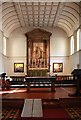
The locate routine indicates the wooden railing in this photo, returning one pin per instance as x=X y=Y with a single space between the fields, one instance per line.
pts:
x=60 y=79
x=20 y=80
x=17 y=79
x=64 y=77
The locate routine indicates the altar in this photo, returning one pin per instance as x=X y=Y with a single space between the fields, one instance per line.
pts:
x=37 y=72
x=29 y=80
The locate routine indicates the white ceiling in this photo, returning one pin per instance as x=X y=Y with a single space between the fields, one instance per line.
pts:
x=40 y=14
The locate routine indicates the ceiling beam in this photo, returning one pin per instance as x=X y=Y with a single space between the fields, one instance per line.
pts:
x=39 y=14
x=50 y=13
x=58 y=12
x=17 y=13
x=20 y=15
x=33 y=14
x=27 y=13
x=44 y=13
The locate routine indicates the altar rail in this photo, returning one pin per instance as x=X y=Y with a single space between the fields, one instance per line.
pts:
x=63 y=79
x=17 y=79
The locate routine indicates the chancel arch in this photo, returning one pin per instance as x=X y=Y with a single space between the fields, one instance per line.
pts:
x=38 y=52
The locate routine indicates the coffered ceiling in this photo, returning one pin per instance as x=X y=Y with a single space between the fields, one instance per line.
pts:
x=40 y=14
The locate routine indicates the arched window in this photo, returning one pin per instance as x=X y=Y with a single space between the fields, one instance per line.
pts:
x=72 y=45
x=4 y=45
x=78 y=39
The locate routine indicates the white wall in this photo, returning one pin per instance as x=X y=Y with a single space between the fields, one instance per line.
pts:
x=10 y=65
x=74 y=61
x=59 y=48
x=16 y=49
x=1 y=54
x=59 y=43
x=80 y=38
x=17 y=45
x=80 y=51
x=1 y=42
x=80 y=59
x=60 y=59
x=3 y=58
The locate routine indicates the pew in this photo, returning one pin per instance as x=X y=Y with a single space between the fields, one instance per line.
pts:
x=5 y=84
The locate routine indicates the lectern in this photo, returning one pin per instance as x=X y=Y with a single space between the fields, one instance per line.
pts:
x=76 y=72
x=77 y=77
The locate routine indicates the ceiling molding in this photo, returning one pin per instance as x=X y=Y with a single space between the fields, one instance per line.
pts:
x=66 y=21
x=7 y=23
x=65 y=24
x=68 y=17
x=69 y=12
x=40 y=14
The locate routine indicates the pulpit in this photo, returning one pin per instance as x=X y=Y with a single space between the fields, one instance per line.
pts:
x=77 y=77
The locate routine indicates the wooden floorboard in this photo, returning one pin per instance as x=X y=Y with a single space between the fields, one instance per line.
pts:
x=41 y=93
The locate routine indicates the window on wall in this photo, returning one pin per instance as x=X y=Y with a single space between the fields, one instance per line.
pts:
x=72 y=45
x=4 y=45
x=78 y=39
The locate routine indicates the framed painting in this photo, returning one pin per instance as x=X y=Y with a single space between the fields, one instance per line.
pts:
x=57 y=67
x=18 y=67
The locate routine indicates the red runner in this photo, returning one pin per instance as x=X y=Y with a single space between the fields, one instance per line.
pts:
x=55 y=113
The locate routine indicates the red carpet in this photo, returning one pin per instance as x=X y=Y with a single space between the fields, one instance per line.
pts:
x=48 y=113
x=55 y=113
x=53 y=109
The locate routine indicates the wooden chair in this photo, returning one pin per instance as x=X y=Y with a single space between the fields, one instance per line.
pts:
x=5 y=84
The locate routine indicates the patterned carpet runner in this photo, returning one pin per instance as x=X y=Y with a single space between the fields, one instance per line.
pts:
x=8 y=113
x=74 y=113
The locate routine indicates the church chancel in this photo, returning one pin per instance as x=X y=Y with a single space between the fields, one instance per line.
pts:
x=40 y=60
x=38 y=52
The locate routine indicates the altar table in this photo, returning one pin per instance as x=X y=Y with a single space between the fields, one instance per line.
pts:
x=52 y=80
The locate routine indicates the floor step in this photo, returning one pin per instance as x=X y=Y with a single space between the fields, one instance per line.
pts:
x=32 y=108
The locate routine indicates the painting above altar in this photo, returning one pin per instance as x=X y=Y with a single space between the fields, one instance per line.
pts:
x=38 y=55
x=37 y=50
